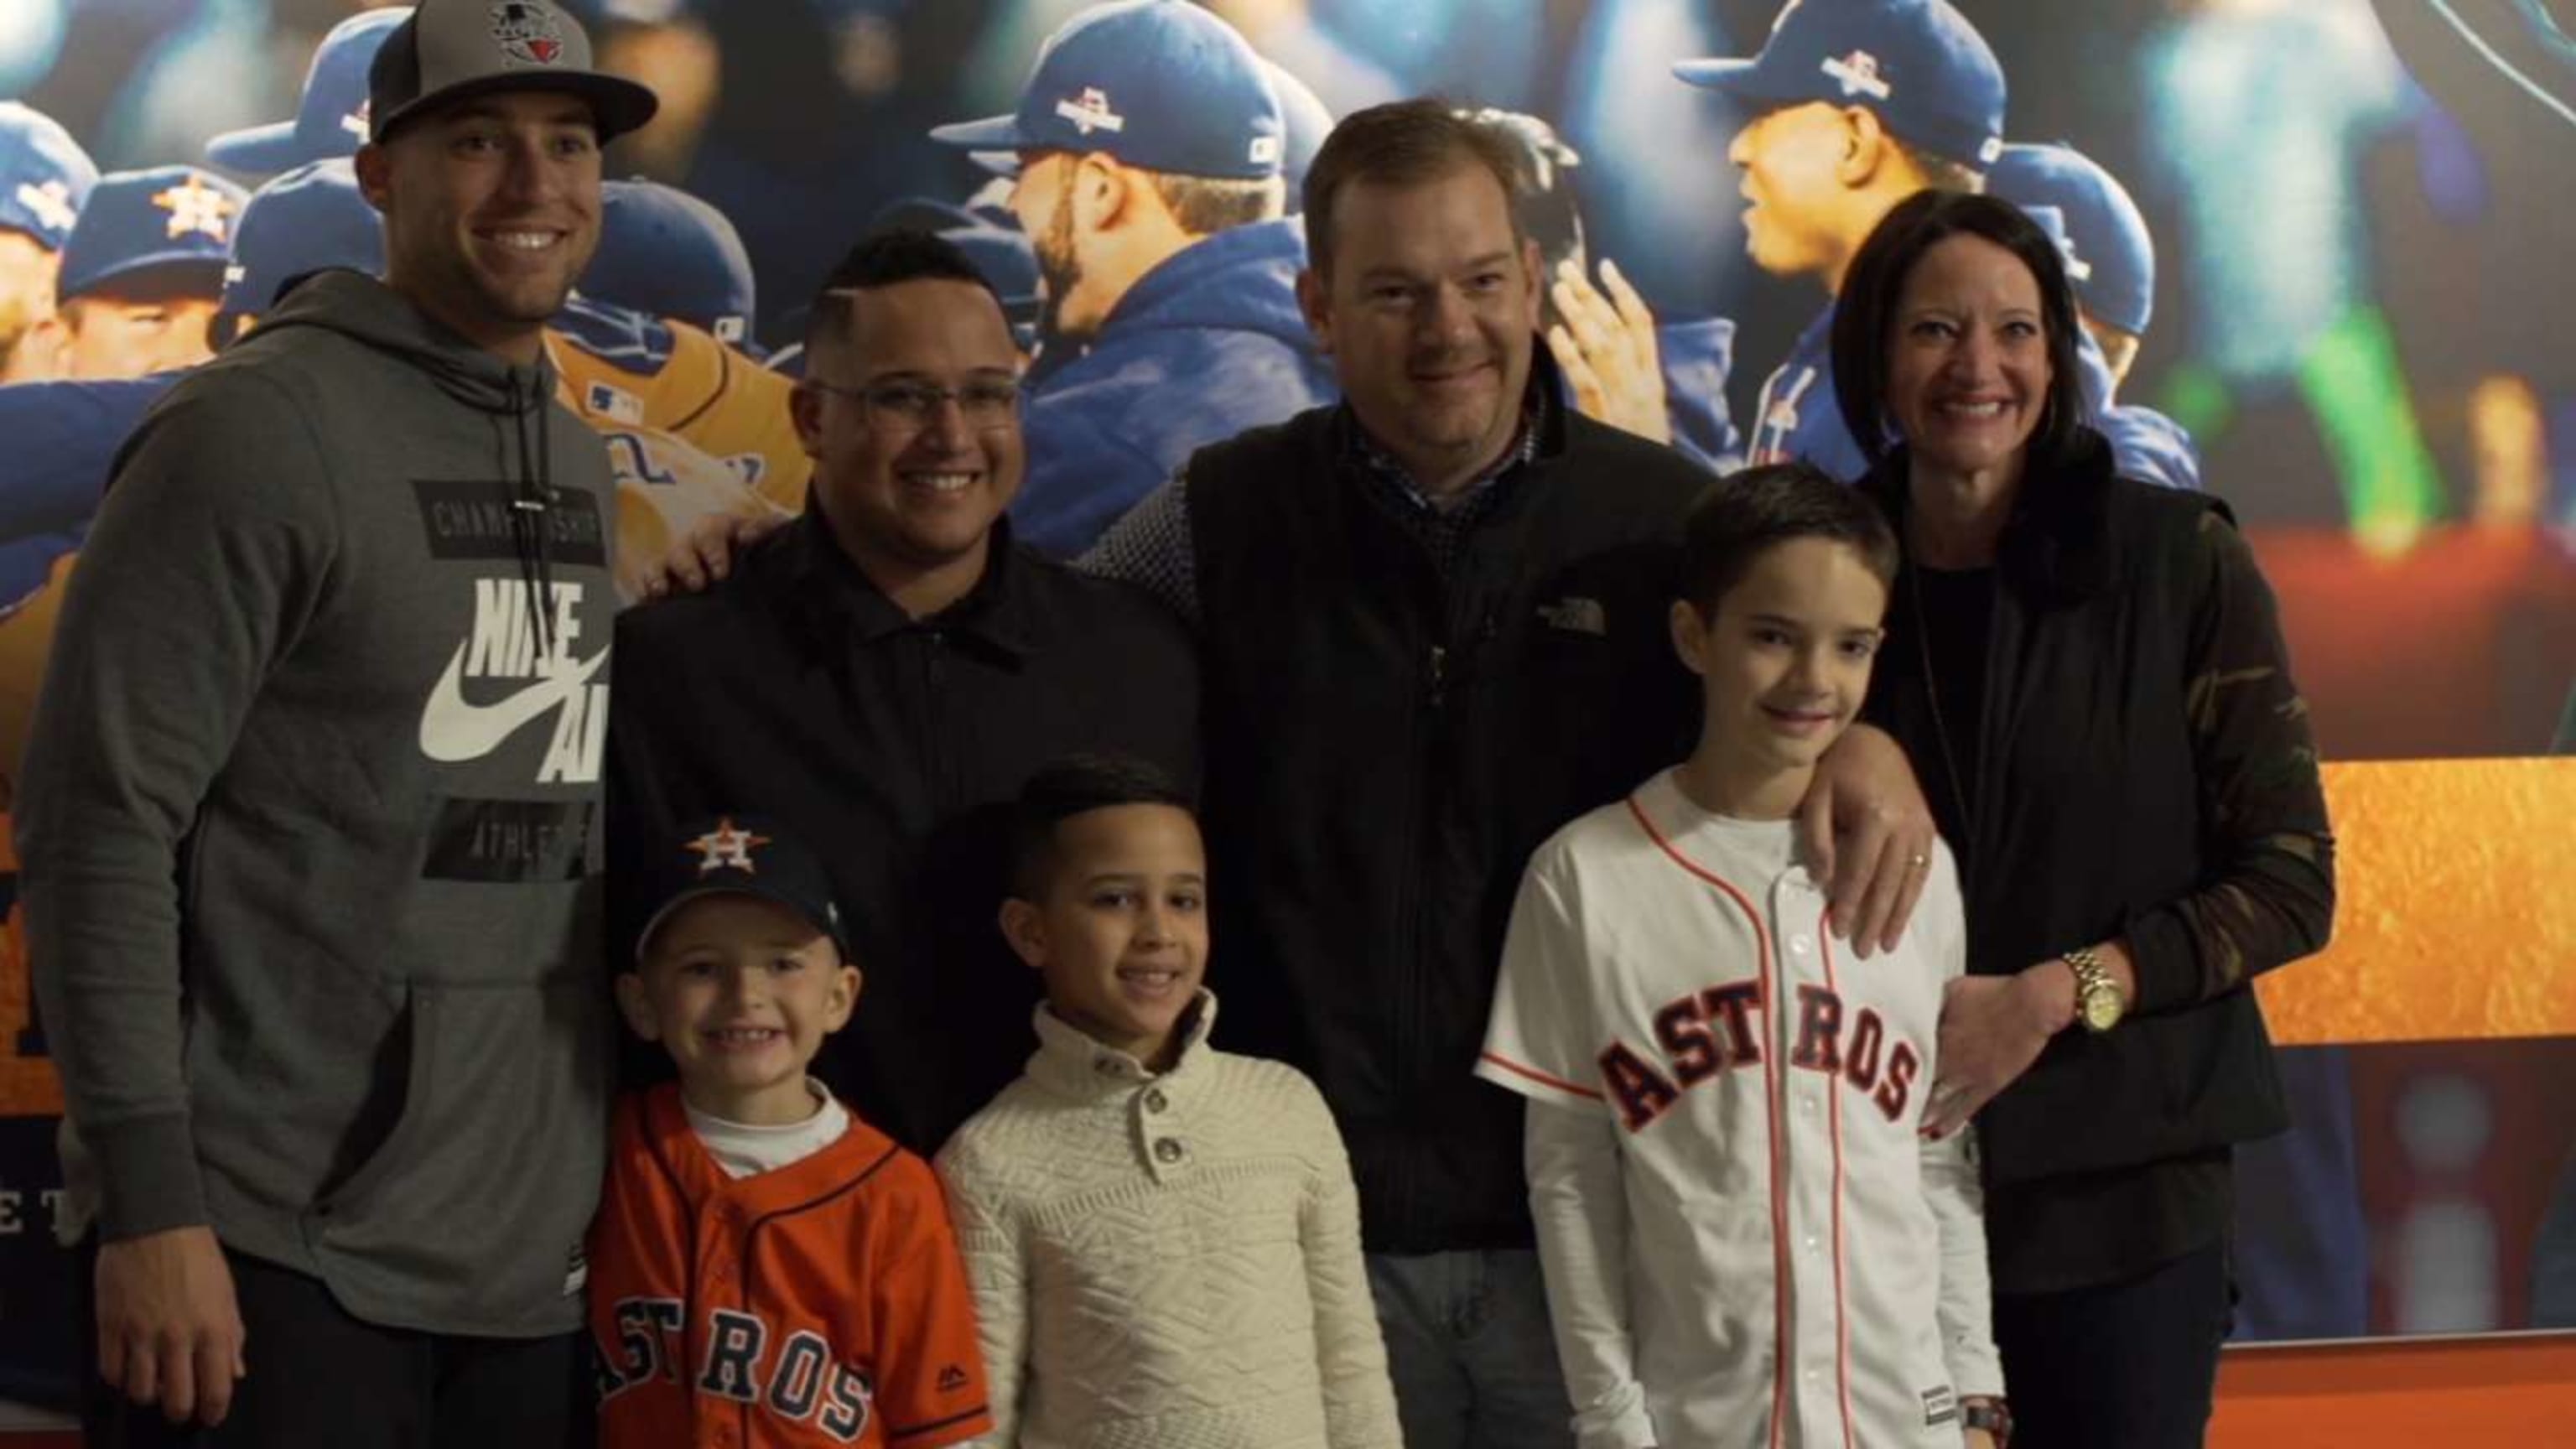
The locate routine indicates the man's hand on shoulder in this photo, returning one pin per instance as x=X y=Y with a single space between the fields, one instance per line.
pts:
x=706 y=552
x=169 y=1324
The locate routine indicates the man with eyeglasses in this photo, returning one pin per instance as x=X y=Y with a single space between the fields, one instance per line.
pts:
x=880 y=675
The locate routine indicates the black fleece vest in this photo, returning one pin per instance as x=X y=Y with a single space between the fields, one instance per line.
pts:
x=1385 y=747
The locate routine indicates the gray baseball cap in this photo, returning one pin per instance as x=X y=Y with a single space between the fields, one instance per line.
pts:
x=453 y=50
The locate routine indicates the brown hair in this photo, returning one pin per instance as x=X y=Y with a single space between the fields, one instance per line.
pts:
x=1401 y=142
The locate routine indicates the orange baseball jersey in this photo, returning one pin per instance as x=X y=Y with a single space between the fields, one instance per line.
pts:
x=819 y=1303
x=624 y=369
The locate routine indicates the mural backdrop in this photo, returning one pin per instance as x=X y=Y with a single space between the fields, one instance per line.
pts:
x=2319 y=245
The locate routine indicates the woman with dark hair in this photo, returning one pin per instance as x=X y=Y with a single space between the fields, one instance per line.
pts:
x=2090 y=677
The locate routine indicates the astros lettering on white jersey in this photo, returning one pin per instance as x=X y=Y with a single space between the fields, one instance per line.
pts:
x=1746 y=1241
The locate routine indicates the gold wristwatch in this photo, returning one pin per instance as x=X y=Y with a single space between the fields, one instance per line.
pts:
x=2098 y=1002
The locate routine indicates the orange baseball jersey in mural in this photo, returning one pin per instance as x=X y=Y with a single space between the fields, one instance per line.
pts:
x=819 y=1303
x=624 y=369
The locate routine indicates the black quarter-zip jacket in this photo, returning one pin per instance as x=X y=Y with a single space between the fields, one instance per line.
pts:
x=892 y=747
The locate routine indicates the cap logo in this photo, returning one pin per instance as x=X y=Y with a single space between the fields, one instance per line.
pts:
x=195 y=206
x=1265 y=150
x=1090 y=112
x=727 y=848
x=355 y=123
x=1859 y=75
x=2076 y=267
x=528 y=34
x=49 y=203
x=1992 y=151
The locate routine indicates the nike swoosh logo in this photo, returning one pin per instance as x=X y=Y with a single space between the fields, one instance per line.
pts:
x=454 y=730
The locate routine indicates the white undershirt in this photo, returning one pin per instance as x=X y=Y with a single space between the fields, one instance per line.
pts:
x=745 y=1150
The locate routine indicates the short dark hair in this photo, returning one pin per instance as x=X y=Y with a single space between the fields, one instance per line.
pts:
x=1544 y=201
x=1401 y=143
x=885 y=258
x=1743 y=515
x=1865 y=313
x=1077 y=785
x=1206 y=205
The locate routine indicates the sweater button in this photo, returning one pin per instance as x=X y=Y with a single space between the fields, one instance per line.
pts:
x=1155 y=1101
x=1169 y=1150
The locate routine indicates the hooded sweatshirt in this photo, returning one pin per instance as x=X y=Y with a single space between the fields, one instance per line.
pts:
x=311 y=858
x=1205 y=345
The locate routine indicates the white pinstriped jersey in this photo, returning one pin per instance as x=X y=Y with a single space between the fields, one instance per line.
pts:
x=1761 y=1251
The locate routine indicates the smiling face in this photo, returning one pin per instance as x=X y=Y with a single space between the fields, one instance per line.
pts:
x=491 y=212
x=1784 y=664
x=907 y=499
x=1428 y=315
x=1121 y=933
x=741 y=991
x=1967 y=362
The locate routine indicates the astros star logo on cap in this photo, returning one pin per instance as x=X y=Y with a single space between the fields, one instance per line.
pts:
x=1858 y=73
x=1091 y=112
x=727 y=848
x=50 y=203
x=195 y=206
x=527 y=32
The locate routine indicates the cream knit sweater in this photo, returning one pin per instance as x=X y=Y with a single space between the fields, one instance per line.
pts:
x=1167 y=1262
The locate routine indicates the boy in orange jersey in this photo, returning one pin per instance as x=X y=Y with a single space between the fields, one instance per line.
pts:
x=767 y=1271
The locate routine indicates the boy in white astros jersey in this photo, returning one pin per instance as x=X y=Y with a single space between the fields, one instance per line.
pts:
x=1747 y=1241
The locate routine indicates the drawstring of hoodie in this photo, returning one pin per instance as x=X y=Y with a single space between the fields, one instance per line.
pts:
x=532 y=493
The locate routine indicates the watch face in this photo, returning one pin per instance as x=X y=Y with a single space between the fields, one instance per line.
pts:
x=2102 y=1008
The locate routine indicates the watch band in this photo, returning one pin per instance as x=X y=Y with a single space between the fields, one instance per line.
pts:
x=1990 y=1415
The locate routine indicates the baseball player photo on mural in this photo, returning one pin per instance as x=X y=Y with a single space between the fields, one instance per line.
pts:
x=476 y=473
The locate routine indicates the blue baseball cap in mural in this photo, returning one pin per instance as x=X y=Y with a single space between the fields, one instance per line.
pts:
x=45 y=176
x=1159 y=84
x=1926 y=72
x=170 y=218
x=667 y=253
x=332 y=118
x=308 y=220
x=2110 y=257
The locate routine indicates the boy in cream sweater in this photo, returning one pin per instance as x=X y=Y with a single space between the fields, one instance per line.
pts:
x=1163 y=1238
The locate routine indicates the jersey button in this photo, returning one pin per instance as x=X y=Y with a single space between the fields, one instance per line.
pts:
x=1169 y=1150
x=1155 y=1101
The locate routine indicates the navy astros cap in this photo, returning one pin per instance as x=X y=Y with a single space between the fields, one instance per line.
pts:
x=312 y=218
x=138 y=221
x=1918 y=64
x=2110 y=257
x=453 y=50
x=332 y=119
x=45 y=176
x=1159 y=84
x=738 y=855
x=666 y=253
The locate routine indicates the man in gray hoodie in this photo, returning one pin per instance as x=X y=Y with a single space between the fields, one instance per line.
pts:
x=310 y=840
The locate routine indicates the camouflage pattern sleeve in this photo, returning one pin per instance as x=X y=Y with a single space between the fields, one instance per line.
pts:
x=2266 y=893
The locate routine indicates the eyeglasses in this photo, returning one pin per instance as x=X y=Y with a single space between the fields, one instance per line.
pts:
x=987 y=405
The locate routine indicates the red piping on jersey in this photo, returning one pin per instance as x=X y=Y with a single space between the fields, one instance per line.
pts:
x=1834 y=1120
x=1535 y=1075
x=1780 y=1265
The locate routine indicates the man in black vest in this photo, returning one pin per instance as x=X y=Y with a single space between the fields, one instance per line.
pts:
x=1431 y=626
